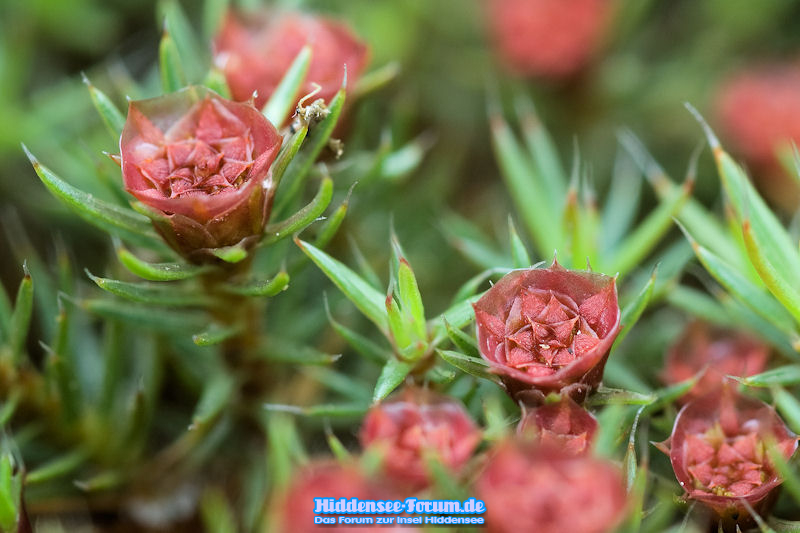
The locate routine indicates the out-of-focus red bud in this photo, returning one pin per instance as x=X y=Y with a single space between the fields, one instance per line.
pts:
x=717 y=352
x=565 y=425
x=548 y=329
x=527 y=487
x=202 y=163
x=550 y=39
x=255 y=51
x=409 y=429
x=759 y=112
x=718 y=452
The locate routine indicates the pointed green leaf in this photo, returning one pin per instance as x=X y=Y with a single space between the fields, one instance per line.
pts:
x=469 y=240
x=58 y=467
x=347 y=410
x=375 y=79
x=471 y=365
x=111 y=115
x=519 y=253
x=152 y=293
x=784 y=290
x=214 y=12
x=331 y=225
x=411 y=299
x=401 y=336
x=286 y=351
x=158 y=271
x=789 y=407
x=216 y=334
x=786 y=375
x=364 y=346
x=633 y=311
x=192 y=53
x=340 y=382
x=301 y=164
x=337 y=448
x=217 y=393
x=303 y=218
x=622 y=201
x=170 y=67
x=21 y=317
x=288 y=152
x=166 y=320
x=458 y=316
x=462 y=341
x=749 y=294
x=606 y=396
x=699 y=304
x=393 y=374
x=368 y=300
x=637 y=245
x=542 y=150
x=525 y=189
x=108 y=217
x=259 y=288
x=284 y=96
x=472 y=285
x=231 y=254
x=399 y=163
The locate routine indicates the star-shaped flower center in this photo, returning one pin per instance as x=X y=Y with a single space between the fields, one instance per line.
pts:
x=725 y=465
x=545 y=331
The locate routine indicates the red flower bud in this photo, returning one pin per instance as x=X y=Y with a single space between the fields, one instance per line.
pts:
x=552 y=39
x=546 y=329
x=717 y=450
x=718 y=352
x=407 y=430
x=759 y=112
x=565 y=425
x=539 y=488
x=255 y=51
x=326 y=479
x=203 y=163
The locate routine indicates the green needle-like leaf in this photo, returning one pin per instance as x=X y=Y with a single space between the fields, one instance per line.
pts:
x=288 y=151
x=741 y=287
x=785 y=291
x=112 y=117
x=285 y=94
x=21 y=317
x=542 y=150
x=153 y=293
x=787 y=375
x=362 y=345
x=462 y=341
x=216 y=334
x=789 y=407
x=368 y=300
x=458 y=316
x=471 y=365
x=158 y=271
x=60 y=466
x=231 y=254
x=192 y=52
x=166 y=320
x=108 y=217
x=216 y=395
x=637 y=245
x=526 y=190
x=411 y=299
x=303 y=218
x=631 y=312
x=393 y=374
x=519 y=253
x=606 y=396
x=170 y=67
x=260 y=288
x=301 y=164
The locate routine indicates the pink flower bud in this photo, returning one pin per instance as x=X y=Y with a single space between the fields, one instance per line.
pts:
x=527 y=487
x=718 y=452
x=407 y=430
x=551 y=39
x=548 y=329
x=256 y=50
x=326 y=479
x=203 y=164
x=715 y=351
x=565 y=425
